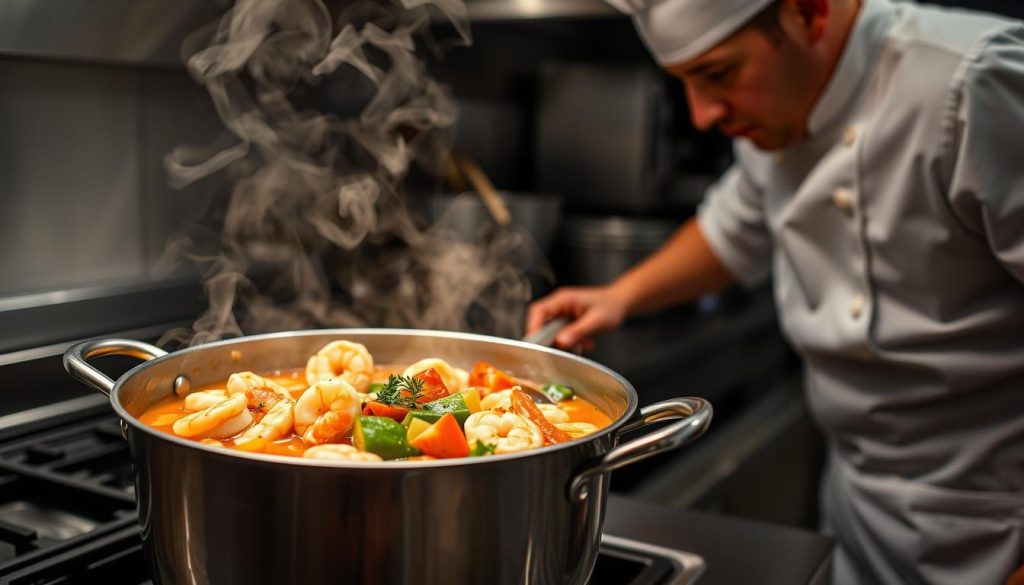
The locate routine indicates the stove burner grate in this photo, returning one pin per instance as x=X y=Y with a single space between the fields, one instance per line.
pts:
x=61 y=489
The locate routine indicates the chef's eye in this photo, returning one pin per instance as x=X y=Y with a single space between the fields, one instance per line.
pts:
x=721 y=74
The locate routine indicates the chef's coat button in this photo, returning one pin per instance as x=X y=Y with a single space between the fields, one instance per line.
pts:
x=850 y=135
x=843 y=199
x=857 y=306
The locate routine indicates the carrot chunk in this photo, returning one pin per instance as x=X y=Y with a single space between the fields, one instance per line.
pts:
x=444 y=439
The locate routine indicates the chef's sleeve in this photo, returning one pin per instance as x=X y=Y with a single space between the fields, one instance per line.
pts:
x=987 y=143
x=733 y=222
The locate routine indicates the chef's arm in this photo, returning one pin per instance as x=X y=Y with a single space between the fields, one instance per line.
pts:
x=683 y=269
x=729 y=231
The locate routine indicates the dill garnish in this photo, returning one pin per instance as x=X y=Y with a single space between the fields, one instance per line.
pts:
x=401 y=391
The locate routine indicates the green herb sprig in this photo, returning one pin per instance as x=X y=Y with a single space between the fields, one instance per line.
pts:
x=401 y=391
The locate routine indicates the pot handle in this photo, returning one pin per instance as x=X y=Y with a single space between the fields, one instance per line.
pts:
x=696 y=416
x=76 y=356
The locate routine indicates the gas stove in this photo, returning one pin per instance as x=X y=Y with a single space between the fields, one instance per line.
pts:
x=67 y=509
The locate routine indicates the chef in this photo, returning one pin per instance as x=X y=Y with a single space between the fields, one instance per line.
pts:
x=879 y=179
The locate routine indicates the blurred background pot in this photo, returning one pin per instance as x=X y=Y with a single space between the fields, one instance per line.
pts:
x=599 y=249
x=539 y=214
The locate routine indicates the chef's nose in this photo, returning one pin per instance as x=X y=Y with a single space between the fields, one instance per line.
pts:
x=705 y=111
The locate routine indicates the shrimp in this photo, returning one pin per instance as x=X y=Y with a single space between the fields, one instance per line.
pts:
x=325 y=411
x=222 y=420
x=555 y=415
x=346 y=359
x=501 y=399
x=339 y=453
x=204 y=399
x=506 y=432
x=275 y=424
x=248 y=382
x=452 y=380
x=262 y=396
x=575 y=429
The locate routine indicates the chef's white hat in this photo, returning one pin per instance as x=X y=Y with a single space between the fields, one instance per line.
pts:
x=678 y=30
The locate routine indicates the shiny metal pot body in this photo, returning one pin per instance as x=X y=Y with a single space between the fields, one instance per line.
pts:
x=210 y=515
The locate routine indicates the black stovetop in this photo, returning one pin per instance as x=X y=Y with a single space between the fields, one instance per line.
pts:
x=67 y=513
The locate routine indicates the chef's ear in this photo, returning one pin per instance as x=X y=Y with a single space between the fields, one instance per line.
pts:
x=809 y=16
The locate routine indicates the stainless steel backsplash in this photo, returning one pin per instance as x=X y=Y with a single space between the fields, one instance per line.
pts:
x=92 y=97
x=103 y=31
x=82 y=185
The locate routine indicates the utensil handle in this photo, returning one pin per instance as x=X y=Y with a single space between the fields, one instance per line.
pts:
x=76 y=356
x=695 y=414
x=546 y=334
x=485 y=189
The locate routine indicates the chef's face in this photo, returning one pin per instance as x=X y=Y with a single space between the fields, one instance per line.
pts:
x=762 y=82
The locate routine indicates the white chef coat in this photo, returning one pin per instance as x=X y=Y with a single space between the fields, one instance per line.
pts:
x=895 y=235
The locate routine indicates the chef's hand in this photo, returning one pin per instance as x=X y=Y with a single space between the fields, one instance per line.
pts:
x=1017 y=578
x=592 y=309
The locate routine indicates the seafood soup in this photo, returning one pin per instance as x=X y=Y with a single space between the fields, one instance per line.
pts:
x=343 y=406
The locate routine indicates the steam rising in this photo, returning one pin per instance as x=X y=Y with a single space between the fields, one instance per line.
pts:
x=317 y=230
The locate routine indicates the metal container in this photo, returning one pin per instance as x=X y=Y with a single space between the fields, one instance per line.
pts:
x=539 y=214
x=210 y=515
x=600 y=249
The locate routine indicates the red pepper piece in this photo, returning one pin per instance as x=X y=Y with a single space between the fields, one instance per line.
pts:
x=433 y=386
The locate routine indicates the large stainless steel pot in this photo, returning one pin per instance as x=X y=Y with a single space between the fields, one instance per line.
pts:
x=209 y=515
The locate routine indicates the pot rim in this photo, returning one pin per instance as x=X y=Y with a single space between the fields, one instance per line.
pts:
x=128 y=418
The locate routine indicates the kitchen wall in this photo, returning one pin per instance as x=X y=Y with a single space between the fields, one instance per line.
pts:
x=84 y=197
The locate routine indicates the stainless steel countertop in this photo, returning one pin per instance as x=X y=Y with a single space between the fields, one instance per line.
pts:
x=734 y=550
